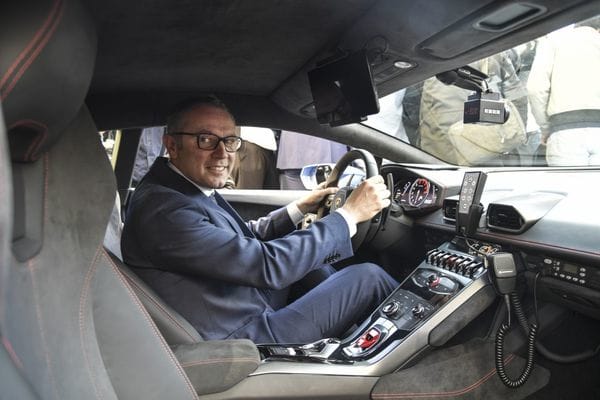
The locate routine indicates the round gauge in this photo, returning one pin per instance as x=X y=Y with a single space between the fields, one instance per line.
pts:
x=402 y=192
x=418 y=192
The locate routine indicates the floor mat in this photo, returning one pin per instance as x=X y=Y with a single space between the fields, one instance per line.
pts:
x=465 y=371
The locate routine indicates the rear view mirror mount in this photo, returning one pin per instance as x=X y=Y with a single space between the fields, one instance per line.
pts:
x=343 y=90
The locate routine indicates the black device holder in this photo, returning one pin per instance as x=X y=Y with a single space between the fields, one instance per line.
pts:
x=481 y=106
x=470 y=209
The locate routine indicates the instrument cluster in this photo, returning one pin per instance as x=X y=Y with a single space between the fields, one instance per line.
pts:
x=416 y=193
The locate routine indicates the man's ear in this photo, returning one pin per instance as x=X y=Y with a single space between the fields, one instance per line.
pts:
x=170 y=144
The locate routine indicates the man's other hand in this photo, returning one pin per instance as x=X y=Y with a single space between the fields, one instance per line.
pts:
x=310 y=202
x=370 y=197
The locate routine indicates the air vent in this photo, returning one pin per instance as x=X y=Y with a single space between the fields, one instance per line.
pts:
x=504 y=218
x=450 y=210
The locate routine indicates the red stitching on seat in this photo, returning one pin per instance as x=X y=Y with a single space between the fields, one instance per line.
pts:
x=157 y=304
x=34 y=146
x=457 y=392
x=82 y=301
x=146 y=316
x=219 y=360
x=46 y=173
x=42 y=36
x=38 y=313
x=36 y=300
x=11 y=352
x=27 y=49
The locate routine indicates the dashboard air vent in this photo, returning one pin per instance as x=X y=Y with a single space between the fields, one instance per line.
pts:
x=504 y=218
x=450 y=206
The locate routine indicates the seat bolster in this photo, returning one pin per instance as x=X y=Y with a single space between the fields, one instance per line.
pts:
x=174 y=328
x=217 y=365
x=18 y=388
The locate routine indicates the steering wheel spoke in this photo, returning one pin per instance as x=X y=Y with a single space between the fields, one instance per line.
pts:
x=334 y=202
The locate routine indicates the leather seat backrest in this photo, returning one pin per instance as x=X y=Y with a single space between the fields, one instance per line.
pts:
x=175 y=329
x=71 y=323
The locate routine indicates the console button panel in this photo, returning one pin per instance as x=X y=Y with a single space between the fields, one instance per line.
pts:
x=459 y=263
x=444 y=272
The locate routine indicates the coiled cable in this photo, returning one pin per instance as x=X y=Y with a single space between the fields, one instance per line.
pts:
x=499 y=347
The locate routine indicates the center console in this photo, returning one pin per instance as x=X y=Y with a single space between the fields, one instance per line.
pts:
x=446 y=291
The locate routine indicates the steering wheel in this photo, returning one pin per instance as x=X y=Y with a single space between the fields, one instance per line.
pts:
x=333 y=202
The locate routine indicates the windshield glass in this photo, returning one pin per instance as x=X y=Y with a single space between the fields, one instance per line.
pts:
x=550 y=87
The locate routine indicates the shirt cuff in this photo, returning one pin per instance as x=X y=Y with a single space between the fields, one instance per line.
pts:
x=349 y=220
x=294 y=212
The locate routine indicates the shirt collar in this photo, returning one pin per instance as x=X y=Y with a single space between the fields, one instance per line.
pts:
x=207 y=191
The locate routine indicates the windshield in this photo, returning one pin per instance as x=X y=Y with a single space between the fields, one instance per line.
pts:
x=550 y=87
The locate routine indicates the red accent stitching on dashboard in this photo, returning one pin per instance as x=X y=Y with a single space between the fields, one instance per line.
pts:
x=32 y=50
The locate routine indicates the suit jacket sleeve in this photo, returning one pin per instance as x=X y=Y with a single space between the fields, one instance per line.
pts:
x=274 y=225
x=180 y=234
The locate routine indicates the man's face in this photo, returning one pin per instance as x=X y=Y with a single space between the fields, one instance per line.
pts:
x=208 y=168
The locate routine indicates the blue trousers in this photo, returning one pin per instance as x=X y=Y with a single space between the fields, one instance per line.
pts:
x=345 y=298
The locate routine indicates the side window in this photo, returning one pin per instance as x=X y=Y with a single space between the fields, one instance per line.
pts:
x=149 y=149
x=269 y=159
x=110 y=141
x=255 y=161
x=273 y=159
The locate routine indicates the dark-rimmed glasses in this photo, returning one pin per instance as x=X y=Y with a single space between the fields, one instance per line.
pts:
x=210 y=141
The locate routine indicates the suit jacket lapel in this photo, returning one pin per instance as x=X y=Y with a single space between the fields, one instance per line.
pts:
x=233 y=214
x=161 y=172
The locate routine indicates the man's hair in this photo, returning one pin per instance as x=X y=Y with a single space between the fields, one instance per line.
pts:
x=175 y=118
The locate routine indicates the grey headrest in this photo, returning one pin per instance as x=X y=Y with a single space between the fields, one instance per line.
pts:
x=46 y=64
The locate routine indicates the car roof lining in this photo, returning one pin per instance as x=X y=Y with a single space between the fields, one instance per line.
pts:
x=250 y=50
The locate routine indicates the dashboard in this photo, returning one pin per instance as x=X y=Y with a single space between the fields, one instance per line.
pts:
x=545 y=217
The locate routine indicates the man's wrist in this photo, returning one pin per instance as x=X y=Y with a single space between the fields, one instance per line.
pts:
x=350 y=221
x=296 y=216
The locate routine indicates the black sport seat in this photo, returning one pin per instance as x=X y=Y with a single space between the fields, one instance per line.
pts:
x=71 y=326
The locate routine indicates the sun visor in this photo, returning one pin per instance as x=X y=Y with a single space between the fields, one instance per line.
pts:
x=479 y=28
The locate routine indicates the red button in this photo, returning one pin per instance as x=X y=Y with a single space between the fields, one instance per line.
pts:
x=369 y=339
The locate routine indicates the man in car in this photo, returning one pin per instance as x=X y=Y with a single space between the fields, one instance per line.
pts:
x=229 y=278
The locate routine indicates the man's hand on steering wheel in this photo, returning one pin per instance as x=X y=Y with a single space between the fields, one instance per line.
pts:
x=369 y=198
x=311 y=202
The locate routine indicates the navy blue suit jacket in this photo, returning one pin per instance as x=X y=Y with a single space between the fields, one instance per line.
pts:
x=210 y=266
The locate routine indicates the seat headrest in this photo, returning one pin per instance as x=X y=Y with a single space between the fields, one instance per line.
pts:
x=47 y=56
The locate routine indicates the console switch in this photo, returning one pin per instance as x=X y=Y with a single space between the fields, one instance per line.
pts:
x=368 y=339
x=418 y=310
x=391 y=309
x=371 y=338
x=433 y=280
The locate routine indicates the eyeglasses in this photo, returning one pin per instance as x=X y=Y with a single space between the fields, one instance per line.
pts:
x=210 y=141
